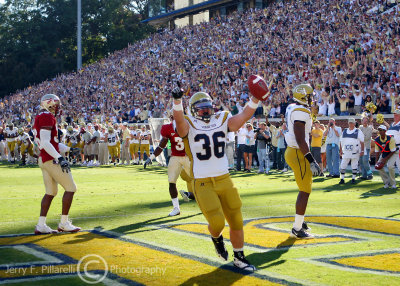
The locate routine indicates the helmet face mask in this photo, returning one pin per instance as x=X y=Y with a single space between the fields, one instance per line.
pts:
x=20 y=131
x=51 y=103
x=201 y=106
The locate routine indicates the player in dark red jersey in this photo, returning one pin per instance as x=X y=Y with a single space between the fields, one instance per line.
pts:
x=55 y=168
x=179 y=164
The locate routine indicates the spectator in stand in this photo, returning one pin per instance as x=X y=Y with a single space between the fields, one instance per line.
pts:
x=350 y=104
x=317 y=134
x=358 y=98
x=331 y=106
x=332 y=134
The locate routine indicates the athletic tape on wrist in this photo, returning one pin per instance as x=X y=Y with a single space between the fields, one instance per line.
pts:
x=178 y=107
x=252 y=104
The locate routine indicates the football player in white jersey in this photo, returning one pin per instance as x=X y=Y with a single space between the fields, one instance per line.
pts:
x=297 y=154
x=204 y=134
x=11 y=135
x=394 y=130
x=351 y=149
x=112 y=143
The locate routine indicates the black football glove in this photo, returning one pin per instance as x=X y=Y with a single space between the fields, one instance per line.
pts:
x=64 y=164
x=177 y=93
x=148 y=162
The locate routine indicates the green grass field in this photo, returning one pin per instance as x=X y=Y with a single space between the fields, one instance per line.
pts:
x=123 y=213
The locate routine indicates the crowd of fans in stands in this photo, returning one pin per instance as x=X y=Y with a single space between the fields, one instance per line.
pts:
x=350 y=56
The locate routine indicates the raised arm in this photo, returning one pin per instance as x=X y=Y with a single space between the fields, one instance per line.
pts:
x=182 y=126
x=237 y=121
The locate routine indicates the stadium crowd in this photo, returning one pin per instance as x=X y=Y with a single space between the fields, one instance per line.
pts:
x=351 y=57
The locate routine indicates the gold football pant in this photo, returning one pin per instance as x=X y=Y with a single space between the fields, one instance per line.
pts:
x=133 y=149
x=53 y=175
x=218 y=199
x=11 y=145
x=301 y=168
x=113 y=150
x=29 y=149
x=144 y=148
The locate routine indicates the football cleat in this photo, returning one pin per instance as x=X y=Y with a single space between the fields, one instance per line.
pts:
x=220 y=247
x=175 y=212
x=341 y=182
x=305 y=226
x=241 y=262
x=184 y=195
x=353 y=181
x=68 y=227
x=394 y=186
x=301 y=234
x=44 y=229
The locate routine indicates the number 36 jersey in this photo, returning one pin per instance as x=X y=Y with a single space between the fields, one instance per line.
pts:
x=205 y=145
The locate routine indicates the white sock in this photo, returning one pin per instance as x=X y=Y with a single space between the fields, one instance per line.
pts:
x=298 y=222
x=42 y=220
x=354 y=176
x=237 y=249
x=342 y=176
x=64 y=218
x=175 y=203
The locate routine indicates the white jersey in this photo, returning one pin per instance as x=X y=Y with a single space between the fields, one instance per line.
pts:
x=112 y=139
x=350 y=141
x=297 y=112
x=394 y=130
x=72 y=136
x=96 y=134
x=135 y=139
x=24 y=138
x=144 y=138
x=10 y=133
x=206 y=145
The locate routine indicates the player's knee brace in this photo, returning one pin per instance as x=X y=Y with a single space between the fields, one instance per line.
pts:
x=355 y=171
x=342 y=171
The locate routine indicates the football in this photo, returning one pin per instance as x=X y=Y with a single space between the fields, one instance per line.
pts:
x=258 y=87
x=379 y=165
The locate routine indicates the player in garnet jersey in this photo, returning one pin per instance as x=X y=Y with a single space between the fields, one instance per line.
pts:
x=55 y=168
x=179 y=164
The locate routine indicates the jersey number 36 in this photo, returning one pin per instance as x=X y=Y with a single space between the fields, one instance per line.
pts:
x=219 y=146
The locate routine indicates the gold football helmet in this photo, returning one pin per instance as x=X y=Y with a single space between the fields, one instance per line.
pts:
x=51 y=103
x=201 y=106
x=110 y=129
x=20 y=131
x=303 y=94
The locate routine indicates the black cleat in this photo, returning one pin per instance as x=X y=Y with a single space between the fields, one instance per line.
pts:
x=220 y=247
x=305 y=227
x=353 y=181
x=301 y=234
x=341 y=182
x=241 y=262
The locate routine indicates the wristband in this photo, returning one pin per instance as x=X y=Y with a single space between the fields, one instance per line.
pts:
x=309 y=157
x=178 y=107
x=252 y=104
